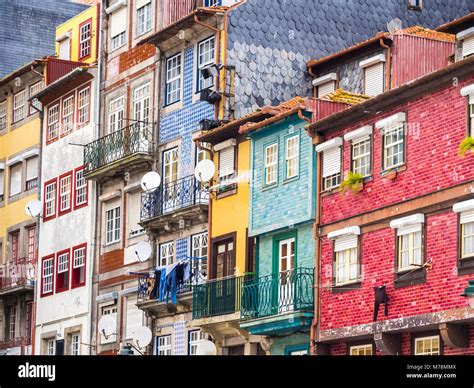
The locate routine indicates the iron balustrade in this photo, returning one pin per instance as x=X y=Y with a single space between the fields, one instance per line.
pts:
x=278 y=293
x=134 y=139
x=16 y=273
x=218 y=297
x=180 y=194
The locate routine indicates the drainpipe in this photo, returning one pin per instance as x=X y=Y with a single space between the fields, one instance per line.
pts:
x=311 y=73
x=389 y=57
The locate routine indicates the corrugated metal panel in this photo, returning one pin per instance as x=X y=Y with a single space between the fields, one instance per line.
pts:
x=324 y=108
x=414 y=57
x=56 y=68
x=175 y=10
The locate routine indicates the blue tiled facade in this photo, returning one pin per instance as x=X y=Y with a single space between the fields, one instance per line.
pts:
x=182 y=248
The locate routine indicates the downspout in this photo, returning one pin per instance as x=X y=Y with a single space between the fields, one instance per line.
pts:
x=311 y=73
x=389 y=68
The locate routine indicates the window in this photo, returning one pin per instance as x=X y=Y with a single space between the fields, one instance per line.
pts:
x=32 y=244
x=195 y=337
x=467 y=42
x=83 y=98
x=85 y=35
x=331 y=161
x=163 y=345
x=15 y=179
x=15 y=246
x=346 y=266
x=31 y=173
x=79 y=266
x=112 y=225
x=19 y=101
x=50 y=199
x=205 y=57
x=203 y=154
x=471 y=117
x=3 y=115
x=141 y=103
x=35 y=88
x=65 y=188
x=62 y=271
x=325 y=84
x=270 y=165
x=212 y=3
x=427 y=346
x=296 y=350
x=415 y=5
x=166 y=254
x=409 y=241
x=64 y=50
x=53 y=123
x=118 y=27
x=199 y=251
x=110 y=310
x=68 y=115
x=144 y=19
x=467 y=234
x=28 y=322
x=117 y=41
x=292 y=156
x=116 y=114
x=226 y=165
x=11 y=322
x=361 y=158
x=80 y=188
x=374 y=75
x=361 y=350
x=47 y=275
x=134 y=206
x=2 y=184
x=393 y=146
x=51 y=347
x=75 y=345
x=173 y=79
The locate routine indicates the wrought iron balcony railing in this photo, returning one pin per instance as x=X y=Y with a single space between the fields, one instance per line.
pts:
x=278 y=293
x=16 y=273
x=217 y=297
x=134 y=139
x=183 y=193
x=14 y=343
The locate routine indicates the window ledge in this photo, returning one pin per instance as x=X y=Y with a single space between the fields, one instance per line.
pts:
x=226 y=193
x=399 y=168
x=269 y=187
x=325 y=193
x=346 y=287
x=290 y=180
x=466 y=265
x=405 y=278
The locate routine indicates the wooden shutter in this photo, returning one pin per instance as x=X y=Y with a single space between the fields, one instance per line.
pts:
x=118 y=21
x=331 y=161
x=326 y=88
x=226 y=161
x=374 y=79
x=468 y=46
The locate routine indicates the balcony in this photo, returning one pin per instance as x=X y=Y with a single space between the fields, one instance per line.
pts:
x=175 y=205
x=127 y=148
x=17 y=276
x=148 y=296
x=278 y=304
x=16 y=346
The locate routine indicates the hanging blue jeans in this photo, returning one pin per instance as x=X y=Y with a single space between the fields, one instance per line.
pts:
x=171 y=280
x=162 y=291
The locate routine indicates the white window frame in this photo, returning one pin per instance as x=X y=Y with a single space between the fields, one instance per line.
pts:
x=67 y=119
x=195 y=337
x=83 y=105
x=80 y=188
x=85 y=40
x=199 y=245
x=331 y=181
x=362 y=162
x=113 y=225
x=118 y=41
x=292 y=158
x=173 y=79
x=50 y=199
x=65 y=190
x=204 y=59
x=356 y=350
x=53 y=122
x=63 y=263
x=31 y=181
x=47 y=275
x=19 y=102
x=144 y=21
x=141 y=103
x=428 y=352
x=79 y=257
x=34 y=89
x=163 y=345
x=412 y=249
x=270 y=164
x=166 y=254
x=3 y=115
x=116 y=114
x=51 y=347
x=76 y=344
x=387 y=147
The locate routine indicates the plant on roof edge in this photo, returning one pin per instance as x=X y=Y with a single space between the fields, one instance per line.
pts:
x=466 y=145
x=353 y=182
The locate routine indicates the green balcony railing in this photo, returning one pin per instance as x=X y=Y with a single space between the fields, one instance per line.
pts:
x=217 y=297
x=278 y=293
x=134 y=139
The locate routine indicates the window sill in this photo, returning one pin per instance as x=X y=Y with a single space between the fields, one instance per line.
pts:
x=346 y=287
x=290 y=180
x=269 y=187
x=405 y=278
x=466 y=266
x=399 y=168
x=227 y=193
x=172 y=107
x=325 y=193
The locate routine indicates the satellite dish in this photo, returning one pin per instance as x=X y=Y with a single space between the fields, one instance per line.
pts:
x=33 y=208
x=107 y=325
x=150 y=181
x=142 y=336
x=206 y=348
x=142 y=251
x=205 y=171
x=394 y=25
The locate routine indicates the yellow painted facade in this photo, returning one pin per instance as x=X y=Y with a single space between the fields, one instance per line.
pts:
x=72 y=27
x=235 y=208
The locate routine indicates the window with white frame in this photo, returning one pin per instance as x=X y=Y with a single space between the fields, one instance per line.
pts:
x=12 y=319
x=75 y=344
x=112 y=225
x=195 y=337
x=53 y=123
x=292 y=156
x=144 y=18
x=393 y=133
x=111 y=311
x=206 y=53
x=427 y=346
x=325 y=84
x=85 y=35
x=47 y=275
x=116 y=112
x=361 y=150
x=374 y=75
x=466 y=227
x=31 y=253
x=346 y=255
x=83 y=101
x=270 y=173
x=163 y=346
x=134 y=206
x=34 y=89
x=141 y=103
x=361 y=350
x=64 y=49
x=78 y=266
x=51 y=347
x=166 y=256
x=50 y=199
x=15 y=178
x=226 y=163
x=62 y=281
x=173 y=79
x=31 y=173
x=466 y=37
x=19 y=101
x=331 y=160
x=118 y=27
x=65 y=187
x=409 y=241
x=199 y=243
x=68 y=114
x=471 y=116
x=2 y=184
x=80 y=188
x=202 y=154
x=3 y=115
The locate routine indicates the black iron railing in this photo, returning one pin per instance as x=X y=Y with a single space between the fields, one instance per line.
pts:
x=180 y=194
x=134 y=139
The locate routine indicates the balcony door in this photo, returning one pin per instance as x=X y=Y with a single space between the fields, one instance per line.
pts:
x=141 y=115
x=224 y=291
x=115 y=142
x=286 y=263
x=170 y=177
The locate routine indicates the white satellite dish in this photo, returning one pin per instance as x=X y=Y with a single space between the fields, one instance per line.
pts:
x=142 y=251
x=206 y=348
x=33 y=208
x=394 y=25
x=205 y=171
x=150 y=181
x=142 y=336
x=107 y=325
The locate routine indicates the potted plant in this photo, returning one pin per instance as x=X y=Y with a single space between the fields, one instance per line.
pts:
x=354 y=182
x=466 y=145
x=390 y=174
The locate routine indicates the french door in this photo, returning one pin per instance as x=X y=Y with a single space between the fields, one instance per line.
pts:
x=224 y=292
x=170 y=177
x=286 y=266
